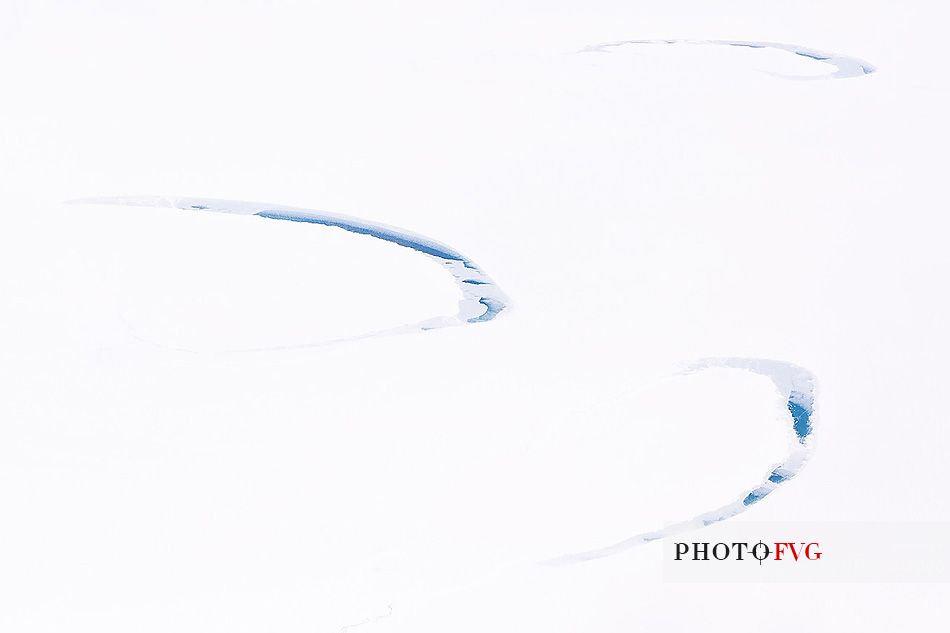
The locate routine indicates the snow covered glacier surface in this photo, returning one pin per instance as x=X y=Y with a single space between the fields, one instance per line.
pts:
x=482 y=300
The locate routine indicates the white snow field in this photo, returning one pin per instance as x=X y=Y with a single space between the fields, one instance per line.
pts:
x=216 y=422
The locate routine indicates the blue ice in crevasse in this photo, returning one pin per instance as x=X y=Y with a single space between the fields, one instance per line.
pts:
x=390 y=235
x=779 y=476
x=494 y=309
x=755 y=496
x=816 y=56
x=802 y=417
x=800 y=406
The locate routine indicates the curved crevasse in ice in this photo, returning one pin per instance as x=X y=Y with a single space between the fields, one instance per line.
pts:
x=796 y=386
x=845 y=66
x=482 y=299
